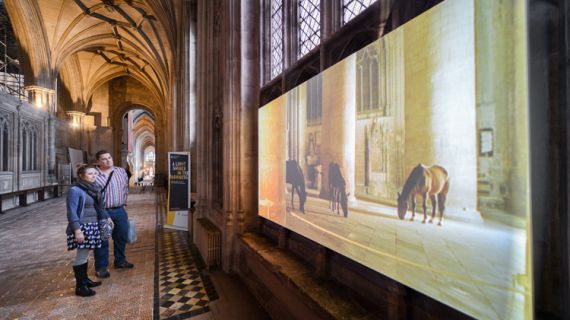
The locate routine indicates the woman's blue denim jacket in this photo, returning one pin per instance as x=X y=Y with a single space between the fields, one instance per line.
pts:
x=75 y=205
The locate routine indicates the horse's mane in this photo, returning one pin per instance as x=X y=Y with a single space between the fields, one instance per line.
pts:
x=412 y=180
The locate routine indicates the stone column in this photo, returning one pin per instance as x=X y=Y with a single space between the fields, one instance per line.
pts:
x=233 y=209
x=192 y=92
x=205 y=66
x=339 y=118
x=117 y=150
x=250 y=78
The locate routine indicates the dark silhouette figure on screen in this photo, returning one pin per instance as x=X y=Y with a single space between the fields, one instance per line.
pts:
x=294 y=176
x=338 y=187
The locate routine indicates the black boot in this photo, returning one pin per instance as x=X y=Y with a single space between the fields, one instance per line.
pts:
x=81 y=288
x=90 y=283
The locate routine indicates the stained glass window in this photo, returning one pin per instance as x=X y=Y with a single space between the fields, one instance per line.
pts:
x=309 y=25
x=352 y=8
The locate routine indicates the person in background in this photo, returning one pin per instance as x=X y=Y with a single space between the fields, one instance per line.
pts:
x=114 y=184
x=83 y=215
x=128 y=171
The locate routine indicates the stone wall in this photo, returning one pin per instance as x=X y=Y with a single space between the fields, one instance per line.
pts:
x=14 y=178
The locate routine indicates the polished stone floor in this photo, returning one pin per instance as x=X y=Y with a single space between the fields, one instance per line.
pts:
x=36 y=278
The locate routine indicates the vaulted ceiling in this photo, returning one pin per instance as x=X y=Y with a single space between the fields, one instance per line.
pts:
x=143 y=122
x=89 y=42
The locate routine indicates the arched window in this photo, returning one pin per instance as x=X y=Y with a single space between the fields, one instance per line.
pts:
x=4 y=144
x=367 y=78
x=29 y=147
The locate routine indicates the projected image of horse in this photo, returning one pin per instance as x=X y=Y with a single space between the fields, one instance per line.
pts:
x=294 y=176
x=338 y=187
x=432 y=182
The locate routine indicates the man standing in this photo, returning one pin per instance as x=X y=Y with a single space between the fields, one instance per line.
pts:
x=114 y=184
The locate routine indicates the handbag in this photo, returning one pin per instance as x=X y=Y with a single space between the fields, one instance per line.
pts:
x=132 y=234
x=105 y=229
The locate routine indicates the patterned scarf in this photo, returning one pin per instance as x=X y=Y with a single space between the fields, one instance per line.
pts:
x=92 y=189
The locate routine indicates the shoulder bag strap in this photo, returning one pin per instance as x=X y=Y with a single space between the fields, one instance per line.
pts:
x=108 y=181
x=95 y=201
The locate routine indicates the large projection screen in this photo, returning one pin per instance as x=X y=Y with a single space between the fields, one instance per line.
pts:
x=436 y=108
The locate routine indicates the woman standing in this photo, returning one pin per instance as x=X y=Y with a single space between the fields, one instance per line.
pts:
x=83 y=215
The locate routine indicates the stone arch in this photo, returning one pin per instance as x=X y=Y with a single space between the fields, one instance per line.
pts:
x=154 y=90
x=31 y=34
x=143 y=141
x=161 y=134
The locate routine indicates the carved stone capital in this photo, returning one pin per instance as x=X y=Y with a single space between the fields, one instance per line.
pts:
x=42 y=98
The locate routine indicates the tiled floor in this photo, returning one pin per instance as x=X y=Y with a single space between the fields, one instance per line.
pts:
x=36 y=278
x=182 y=288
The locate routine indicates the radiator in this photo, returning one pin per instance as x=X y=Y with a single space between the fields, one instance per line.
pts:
x=209 y=242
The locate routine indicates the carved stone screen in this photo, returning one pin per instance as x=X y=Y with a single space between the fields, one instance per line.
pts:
x=430 y=118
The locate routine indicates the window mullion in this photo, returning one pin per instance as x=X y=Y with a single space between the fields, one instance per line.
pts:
x=290 y=39
x=266 y=45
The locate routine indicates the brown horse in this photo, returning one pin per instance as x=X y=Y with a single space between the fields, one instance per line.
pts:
x=432 y=182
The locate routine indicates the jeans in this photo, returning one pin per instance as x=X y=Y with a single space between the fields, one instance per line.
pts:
x=120 y=232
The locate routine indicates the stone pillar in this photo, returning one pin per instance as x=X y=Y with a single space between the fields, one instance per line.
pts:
x=339 y=118
x=233 y=208
x=205 y=66
x=250 y=79
x=192 y=92
x=44 y=99
x=117 y=150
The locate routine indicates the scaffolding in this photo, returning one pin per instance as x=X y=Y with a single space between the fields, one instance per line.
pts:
x=11 y=77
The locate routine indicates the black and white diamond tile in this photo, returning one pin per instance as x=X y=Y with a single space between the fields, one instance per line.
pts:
x=184 y=290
